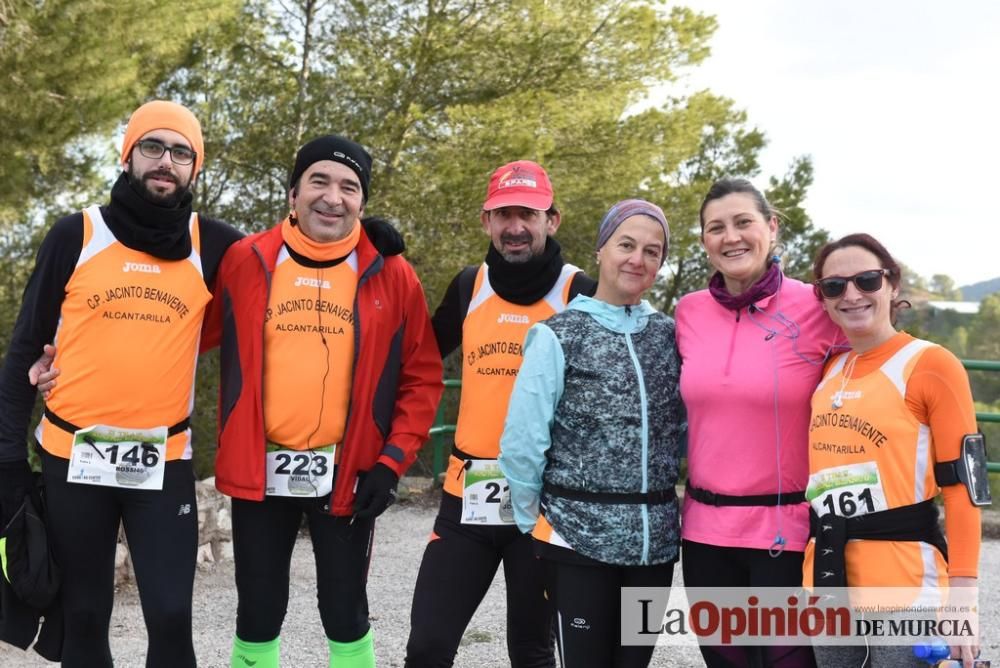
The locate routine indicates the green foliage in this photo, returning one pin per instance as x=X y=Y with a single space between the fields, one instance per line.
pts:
x=203 y=423
x=991 y=430
x=983 y=343
x=968 y=337
x=74 y=68
x=73 y=71
x=944 y=285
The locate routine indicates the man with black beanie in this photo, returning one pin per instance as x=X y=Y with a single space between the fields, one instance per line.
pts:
x=330 y=382
x=488 y=309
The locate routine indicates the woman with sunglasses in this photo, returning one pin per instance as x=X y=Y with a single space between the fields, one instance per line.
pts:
x=591 y=443
x=885 y=414
x=753 y=346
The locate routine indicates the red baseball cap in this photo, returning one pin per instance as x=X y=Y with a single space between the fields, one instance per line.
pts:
x=522 y=183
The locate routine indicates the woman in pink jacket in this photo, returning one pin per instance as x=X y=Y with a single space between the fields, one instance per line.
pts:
x=752 y=348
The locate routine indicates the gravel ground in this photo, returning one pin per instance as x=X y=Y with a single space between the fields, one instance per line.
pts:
x=400 y=537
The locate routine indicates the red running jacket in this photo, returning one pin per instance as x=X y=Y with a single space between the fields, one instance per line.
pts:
x=397 y=368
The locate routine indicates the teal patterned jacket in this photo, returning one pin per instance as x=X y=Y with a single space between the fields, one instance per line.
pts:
x=596 y=407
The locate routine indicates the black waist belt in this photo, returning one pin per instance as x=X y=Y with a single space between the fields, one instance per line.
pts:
x=465 y=456
x=713 y=499
x=651 y=498
x=66 y=425
x=917 y=522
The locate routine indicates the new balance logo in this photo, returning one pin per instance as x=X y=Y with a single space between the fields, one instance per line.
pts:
x=312 y=283
x=143 y=268
x=513 y=318
x=185 y=509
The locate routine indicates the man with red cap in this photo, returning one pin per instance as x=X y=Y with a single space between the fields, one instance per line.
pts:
x=488 y=309
x=330 y=381
x=121 y=290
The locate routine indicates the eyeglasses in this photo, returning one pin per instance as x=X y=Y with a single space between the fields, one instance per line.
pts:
x=154 y=149
x=866 y=281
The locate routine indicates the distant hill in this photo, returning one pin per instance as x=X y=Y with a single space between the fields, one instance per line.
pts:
x=976 y=291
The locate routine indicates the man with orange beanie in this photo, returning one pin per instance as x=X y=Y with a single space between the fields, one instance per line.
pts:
x=121 y=290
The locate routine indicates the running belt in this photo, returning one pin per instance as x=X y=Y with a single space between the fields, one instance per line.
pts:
x=68 y=426
x=465 y=456
x=916 y=522
x=712 y=499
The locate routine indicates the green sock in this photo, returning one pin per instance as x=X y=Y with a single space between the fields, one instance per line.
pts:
x=255 y=654
x=357 y=654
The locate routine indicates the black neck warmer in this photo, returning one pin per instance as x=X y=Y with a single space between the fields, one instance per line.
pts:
x=306 y=261
x=524 y=283
x=141 y=225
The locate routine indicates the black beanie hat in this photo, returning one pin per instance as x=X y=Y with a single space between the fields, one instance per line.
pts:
x=336 y=148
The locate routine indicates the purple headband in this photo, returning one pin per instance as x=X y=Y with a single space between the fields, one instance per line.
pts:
x=624 y=210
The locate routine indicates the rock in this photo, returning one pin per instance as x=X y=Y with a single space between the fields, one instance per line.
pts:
x=225 y=550
x=123 y=565
x=205 y=554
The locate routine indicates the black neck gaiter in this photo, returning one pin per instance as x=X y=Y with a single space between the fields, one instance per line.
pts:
x=141 y=225
x=524 y=283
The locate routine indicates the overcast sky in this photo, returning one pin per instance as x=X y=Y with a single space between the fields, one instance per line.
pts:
x=896 y=103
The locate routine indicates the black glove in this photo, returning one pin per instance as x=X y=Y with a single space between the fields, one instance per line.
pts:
x=16 y=482
x=376 y=492
x=386 y=238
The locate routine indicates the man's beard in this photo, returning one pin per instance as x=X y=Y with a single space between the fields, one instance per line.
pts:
x=166 y=200
x=520 y=257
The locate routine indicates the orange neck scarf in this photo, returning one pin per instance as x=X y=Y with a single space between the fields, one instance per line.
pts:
x=314 y=250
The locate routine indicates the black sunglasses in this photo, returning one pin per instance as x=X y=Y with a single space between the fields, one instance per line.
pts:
x=867 y=281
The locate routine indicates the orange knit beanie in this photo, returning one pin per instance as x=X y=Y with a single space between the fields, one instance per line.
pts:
x=163 y=115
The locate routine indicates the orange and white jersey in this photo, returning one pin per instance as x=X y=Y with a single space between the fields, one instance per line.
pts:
x=492 y=350
x=127 y=341
x=873 y=445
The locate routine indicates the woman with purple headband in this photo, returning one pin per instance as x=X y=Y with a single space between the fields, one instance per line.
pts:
x=591 y=443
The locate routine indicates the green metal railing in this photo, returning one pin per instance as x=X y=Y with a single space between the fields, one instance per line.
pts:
x=439 y=429
x=985 y=365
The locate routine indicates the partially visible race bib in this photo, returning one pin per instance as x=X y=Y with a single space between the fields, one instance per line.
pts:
x=485 y=494
x=851 y=490
x=300 y=472
x=118 y=457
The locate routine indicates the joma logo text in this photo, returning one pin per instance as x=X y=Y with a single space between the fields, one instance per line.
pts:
x=513 y=318
x=312 y=283
x=140 y=267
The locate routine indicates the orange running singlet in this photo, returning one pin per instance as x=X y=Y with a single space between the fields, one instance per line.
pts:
x=492 y=349
x=127 y=342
